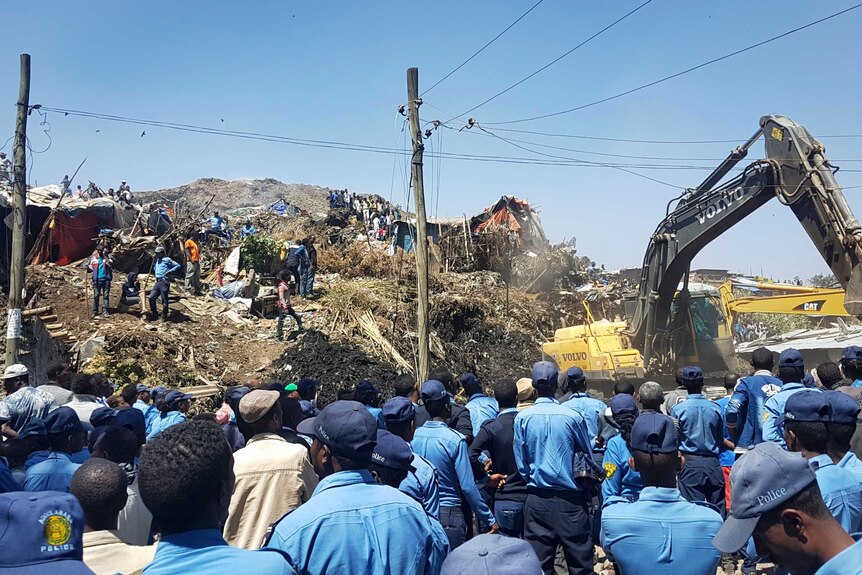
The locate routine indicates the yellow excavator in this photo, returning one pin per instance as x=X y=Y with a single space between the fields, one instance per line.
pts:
x=670 y=322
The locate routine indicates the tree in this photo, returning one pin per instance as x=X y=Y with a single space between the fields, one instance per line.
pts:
x=258 y=253
x=823 y=281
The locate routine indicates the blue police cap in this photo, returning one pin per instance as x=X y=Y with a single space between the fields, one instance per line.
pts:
x=307 y=384
x=845 y=409
x=790 y=358
x=42 y=533
x=233 y=395
x=851 y=352
x=807 y=405
x=141 y=388
x=492 y=554
x=347 y=428
x=62 y=420
x=433 y=390
x=763 y=479
x=575 y=375
x=131 y=419
x=468 y=379
x=544 y=373
x=399 y=410
x=392 y=451
x=175 y=396
x=654 y=433
x=158 y=390
x=103 y=416
x=692 y=373
x=623 y=402
x=33 y=428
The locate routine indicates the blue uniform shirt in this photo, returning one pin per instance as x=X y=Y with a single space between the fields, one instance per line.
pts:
x=423 y=485
x=162 y=423
x=774 y=408
x=80 y=456
x=661 y=533
x=481 y=408
x=150 y=413
x=216 y=222
x=590 y=409
x=857 y=383
x=205 y=551
x=727 y=457
x=700 y=424
x=622 y=480
x=848 y=562
x=164 y=266
x=446 y=449
x=53 y=474
x=852 y=464
x=7 y=481
x=841 y=492
x=352 y=524
x=546 y=438
x=747 y=406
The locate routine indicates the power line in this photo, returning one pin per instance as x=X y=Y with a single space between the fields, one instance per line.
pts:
x=480 y=50
x=552 y=62
x=678 y=74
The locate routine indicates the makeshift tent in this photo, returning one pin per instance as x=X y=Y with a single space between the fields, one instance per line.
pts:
x=405 y=232
x=283 y=208
x=516 y=215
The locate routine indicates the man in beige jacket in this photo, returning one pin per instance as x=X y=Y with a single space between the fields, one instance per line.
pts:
x=100 y=487
x=272 y=475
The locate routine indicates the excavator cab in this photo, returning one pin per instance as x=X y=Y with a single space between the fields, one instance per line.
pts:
x=701 y=334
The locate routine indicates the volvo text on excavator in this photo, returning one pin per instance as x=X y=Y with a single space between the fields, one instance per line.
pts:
x=659 y=333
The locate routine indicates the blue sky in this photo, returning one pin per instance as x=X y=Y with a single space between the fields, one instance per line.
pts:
x=336 y=71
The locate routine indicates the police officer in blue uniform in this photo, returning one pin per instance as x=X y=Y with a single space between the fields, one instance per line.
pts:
x=806 y=419
x=66 y=436
x=745 y=410
x=791 y=370
x=842 y=426
x=660 y=533
x=481 y=407
x=446 y=449
x=701 y=428
x=851 y=364
x=590 y=408
x=421 y=483
x=352 y=524
x=549 y=440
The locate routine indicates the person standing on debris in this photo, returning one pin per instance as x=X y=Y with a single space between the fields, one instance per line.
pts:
x=309 y=271
x=284 y=307
x=193 y=264
x=701 y=428
x=549 y=439
x=163 y=267
x=101 y=265
x=296 y=257
x=78 y=193
x=217 y=224
x=23 y=403
x=5 y=168
x=746 y=409
x=65 y=185
x=172 y=411
x=247 y=230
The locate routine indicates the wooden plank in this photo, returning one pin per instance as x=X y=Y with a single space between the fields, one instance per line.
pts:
x=36 y=311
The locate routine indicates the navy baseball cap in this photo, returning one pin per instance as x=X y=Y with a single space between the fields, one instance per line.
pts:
x=41 y=533
x=433 y=390
x=307 y=384
x=790 y=358
x=851 y=352
x=33 y=428
x=365 y=387
x=654 y=433
x=623 y=402
x=492 y=554
x=141 y=388
x=692 y=373
x=347 y=428
x=103 y=416
x=810 y=406
x=234 y=394
x=158 y=390
x=392 y=451
x=133 y=419
x=399 y=410
x=62 y=420
x=575 y=375
x=175 y=396
x=544 y=373
x=467 y=379
x=845 y=409
x=762 y=479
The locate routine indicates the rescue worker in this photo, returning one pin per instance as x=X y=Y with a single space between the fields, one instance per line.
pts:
x=163 y=267
x=660 y=533
x=446 y=449
x=352 y=524
x=791 y=370
x=101 y=267
x=296 y=256
x=746 y=409
x=806 y=416
x=193 y=264
x=481 y=407
x=548 y=440
x=247 y=230
x=701 y=428
x=309 y=271
x=216 y=227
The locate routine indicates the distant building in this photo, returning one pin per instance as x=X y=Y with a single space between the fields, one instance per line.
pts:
x=709 y=276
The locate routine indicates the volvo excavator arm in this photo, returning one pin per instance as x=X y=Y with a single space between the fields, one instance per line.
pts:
x=797 y=172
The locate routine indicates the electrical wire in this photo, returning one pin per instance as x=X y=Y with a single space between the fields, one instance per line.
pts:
x=480 y=50
x=681 y=73
x=552 y=62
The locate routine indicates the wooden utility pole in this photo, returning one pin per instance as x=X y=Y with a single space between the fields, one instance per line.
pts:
x=413 y=103
x=19 y=210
